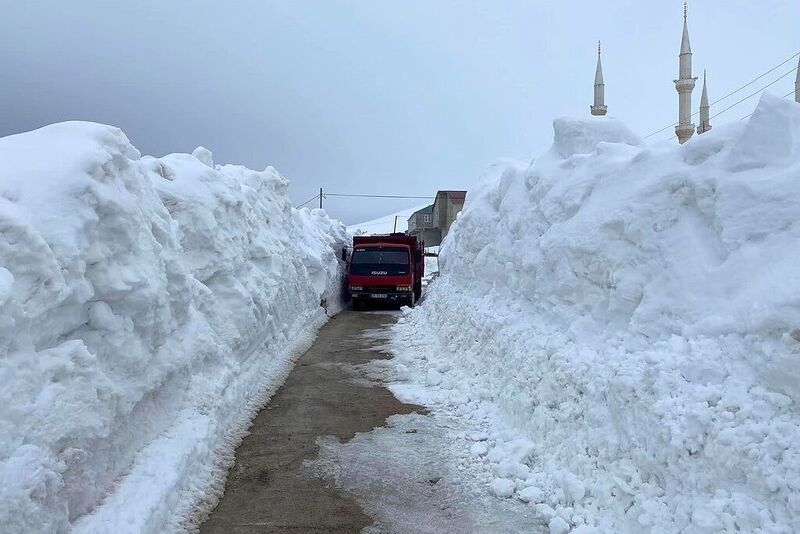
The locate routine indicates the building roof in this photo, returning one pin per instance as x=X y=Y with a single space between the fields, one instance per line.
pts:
x=426 y=209
x=453 y=195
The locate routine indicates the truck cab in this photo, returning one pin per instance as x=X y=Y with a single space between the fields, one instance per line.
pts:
x=385 y=269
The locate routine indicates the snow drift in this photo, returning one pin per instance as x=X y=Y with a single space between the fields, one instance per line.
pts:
x=633 y=314
x=147 y=308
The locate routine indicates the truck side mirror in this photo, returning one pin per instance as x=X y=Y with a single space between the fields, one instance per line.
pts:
x=344 y=253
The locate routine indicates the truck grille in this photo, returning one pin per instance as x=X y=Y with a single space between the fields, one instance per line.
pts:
x=380 y=289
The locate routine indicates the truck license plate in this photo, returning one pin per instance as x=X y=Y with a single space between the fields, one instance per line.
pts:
x=379 y=295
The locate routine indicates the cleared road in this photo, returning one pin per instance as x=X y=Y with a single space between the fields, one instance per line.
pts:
x=269 y=489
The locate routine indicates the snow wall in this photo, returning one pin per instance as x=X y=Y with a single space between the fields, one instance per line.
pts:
x=148 y=308
x=625 y=319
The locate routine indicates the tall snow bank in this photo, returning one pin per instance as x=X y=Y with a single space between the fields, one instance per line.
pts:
x=147 y=308
x=633 y=313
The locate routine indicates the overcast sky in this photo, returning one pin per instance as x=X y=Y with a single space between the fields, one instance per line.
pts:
x=386 y=97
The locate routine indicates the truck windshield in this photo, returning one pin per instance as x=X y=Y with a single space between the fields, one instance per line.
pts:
x=379 y=261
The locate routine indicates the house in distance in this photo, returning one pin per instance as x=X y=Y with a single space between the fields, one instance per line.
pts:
x=431 y=223
x=420 y=225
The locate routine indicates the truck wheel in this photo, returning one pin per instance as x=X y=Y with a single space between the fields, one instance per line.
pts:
x=412 y=300
x=358 y=305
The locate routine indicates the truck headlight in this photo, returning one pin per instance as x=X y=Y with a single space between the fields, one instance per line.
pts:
x=356 y=288
x=404 y=288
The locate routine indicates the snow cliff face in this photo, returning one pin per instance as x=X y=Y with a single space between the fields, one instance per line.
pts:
x=147 y=308
x=632 y=312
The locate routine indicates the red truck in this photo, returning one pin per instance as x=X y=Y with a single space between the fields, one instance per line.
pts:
x=386 y=268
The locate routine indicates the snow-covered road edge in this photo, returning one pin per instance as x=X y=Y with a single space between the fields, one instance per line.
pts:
x=148 y=307
x=623 y=320
x=191 y=476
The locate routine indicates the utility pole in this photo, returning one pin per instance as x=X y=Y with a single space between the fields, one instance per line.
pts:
x=320 y=198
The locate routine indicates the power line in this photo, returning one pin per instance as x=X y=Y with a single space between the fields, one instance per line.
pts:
x=753 y=94
x=784 y=96
x=790 y=93
x=373 y=196
x=751 y=82
x=755 y=79
x=326 y=195
x=315 y=197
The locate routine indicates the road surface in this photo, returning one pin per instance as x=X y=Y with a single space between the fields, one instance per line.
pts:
x=269 y=489
x=335 y=452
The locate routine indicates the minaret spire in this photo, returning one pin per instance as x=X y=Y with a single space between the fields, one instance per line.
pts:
x=705 y=125
x=685 y=85
x=686 y=47
x=797 y=84
x=599 y=107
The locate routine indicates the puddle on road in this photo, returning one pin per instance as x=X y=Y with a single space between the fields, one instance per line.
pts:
x=414 y=475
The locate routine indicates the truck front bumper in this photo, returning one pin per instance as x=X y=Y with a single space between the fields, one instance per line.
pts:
x=381 y=296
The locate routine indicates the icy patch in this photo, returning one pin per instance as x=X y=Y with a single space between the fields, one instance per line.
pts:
x=414 y=475
x=410 y=479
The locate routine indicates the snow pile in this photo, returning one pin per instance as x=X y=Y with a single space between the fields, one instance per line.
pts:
x=632 y=313
x=147 y=308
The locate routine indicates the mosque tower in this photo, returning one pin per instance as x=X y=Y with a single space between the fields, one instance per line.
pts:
x=684 y=85
x=705 y=125
x=797 y=84
x=599 y=107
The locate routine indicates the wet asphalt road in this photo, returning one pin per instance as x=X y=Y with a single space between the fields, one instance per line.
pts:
x=269 y=489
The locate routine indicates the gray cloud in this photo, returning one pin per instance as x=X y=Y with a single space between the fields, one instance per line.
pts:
x=369 y=96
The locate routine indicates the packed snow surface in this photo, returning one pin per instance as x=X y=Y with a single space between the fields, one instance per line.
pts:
x=623 y=321
x=147 y=308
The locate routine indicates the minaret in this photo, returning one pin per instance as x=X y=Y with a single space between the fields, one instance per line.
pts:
x=797 y=84
x=684 y=85
x=599 y=107
x=705 y=125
